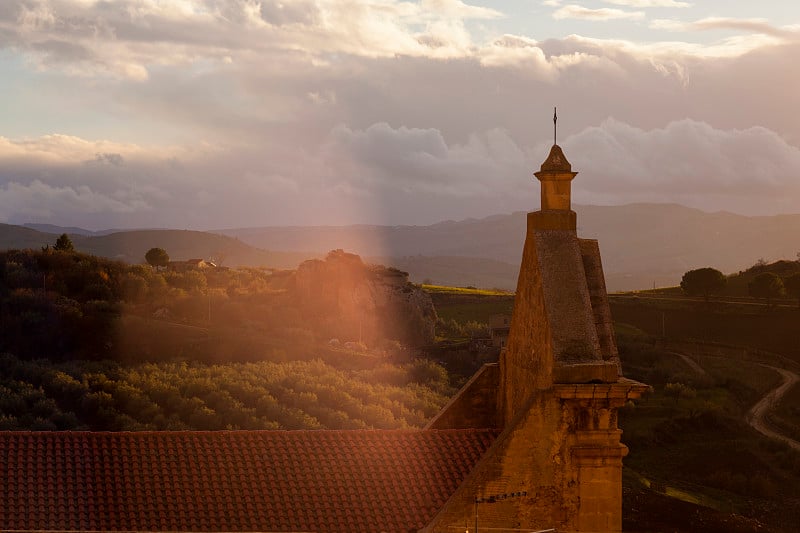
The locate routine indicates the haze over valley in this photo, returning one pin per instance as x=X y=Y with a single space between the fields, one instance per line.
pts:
x=642 y=244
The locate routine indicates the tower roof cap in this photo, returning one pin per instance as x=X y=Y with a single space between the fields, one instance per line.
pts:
x=556 y=161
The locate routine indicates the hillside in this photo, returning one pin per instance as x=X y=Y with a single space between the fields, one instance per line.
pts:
x=458 y=271
x=18 y=237
x=130 y=246
x=642 y=244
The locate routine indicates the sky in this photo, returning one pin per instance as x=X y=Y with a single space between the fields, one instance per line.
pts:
x=211 y=114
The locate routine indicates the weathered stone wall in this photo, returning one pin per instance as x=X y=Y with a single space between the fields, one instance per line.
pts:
x=554 y=332
x=527 y=363
x=475 y=405
x=567 y=302
x=531 y=455
x=595 y=280
x=564 y=451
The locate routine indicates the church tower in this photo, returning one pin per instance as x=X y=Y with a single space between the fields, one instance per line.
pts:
x=561 y=331
x=556 y=391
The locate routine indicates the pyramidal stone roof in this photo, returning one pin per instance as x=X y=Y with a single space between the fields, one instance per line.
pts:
x=556 y=161
x=324 y=481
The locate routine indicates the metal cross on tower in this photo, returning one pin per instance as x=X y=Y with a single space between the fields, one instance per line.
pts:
x=555 y=120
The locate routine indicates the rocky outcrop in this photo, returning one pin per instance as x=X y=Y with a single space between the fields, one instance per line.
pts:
x=345 y=298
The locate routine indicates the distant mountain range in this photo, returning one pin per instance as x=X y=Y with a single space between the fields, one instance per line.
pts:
x=641 y=244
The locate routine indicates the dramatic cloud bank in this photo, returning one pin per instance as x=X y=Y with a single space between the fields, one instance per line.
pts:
x=383 y=174
x=207 y=114
x=688 y=162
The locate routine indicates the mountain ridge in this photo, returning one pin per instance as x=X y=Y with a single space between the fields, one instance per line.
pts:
x=642 y=244
x=131 y=245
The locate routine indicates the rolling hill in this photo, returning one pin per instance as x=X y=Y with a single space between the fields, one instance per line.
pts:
x=642 y=244
x=130 y=246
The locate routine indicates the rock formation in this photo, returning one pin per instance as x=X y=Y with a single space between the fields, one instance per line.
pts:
x=342 y=297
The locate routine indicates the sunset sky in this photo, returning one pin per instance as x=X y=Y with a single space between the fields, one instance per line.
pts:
x=204 y=114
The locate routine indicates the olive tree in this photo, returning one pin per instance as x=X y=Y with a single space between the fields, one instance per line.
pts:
x=792 y=284
x=705 y=281
x=157 y=257
x=766 y=285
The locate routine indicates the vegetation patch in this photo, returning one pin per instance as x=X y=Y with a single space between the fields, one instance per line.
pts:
x=689 y=438
x=473 y=291
x=108 y=396
x=786 y=415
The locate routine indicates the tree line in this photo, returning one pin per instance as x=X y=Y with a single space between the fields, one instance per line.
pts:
x=763 y=283
x=63 y=304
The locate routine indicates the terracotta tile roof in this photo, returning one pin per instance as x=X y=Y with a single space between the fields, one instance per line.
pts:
x=325 y=481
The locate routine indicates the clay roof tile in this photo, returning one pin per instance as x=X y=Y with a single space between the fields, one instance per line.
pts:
x=326 y=481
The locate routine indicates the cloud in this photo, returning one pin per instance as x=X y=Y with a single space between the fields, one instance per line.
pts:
x=689 y=162
x=62 y=177
x=128 y=39
x=69 y=149
x=573 y=11
x=110 y=159
x=40 y=201
x=332 y=112
x=420 y=161
x=376 y=174
x=648 y=3
x=134 y=40
x=389 y=174
x=754 y=25
x=458 y=9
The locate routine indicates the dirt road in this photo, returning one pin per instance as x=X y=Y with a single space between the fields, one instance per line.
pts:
x=756 y=416
x=691 y=363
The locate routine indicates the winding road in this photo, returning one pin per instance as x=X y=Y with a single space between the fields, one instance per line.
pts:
x=756 y=417
x=699 y=370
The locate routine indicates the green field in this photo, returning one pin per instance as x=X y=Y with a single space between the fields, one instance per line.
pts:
x=470 y=305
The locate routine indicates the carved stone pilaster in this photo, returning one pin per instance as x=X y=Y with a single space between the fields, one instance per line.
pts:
x=596 y=450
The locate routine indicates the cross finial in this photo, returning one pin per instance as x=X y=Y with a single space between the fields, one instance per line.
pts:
x=555 y=125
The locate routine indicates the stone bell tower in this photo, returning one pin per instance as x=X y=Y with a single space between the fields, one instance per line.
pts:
x=556 y=391
x=561 y=331
x=562 y=361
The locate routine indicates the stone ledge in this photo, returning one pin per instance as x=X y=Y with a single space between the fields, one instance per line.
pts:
x=624 y=389
x=552 y=219
x=600 y=455
x=591 y=372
